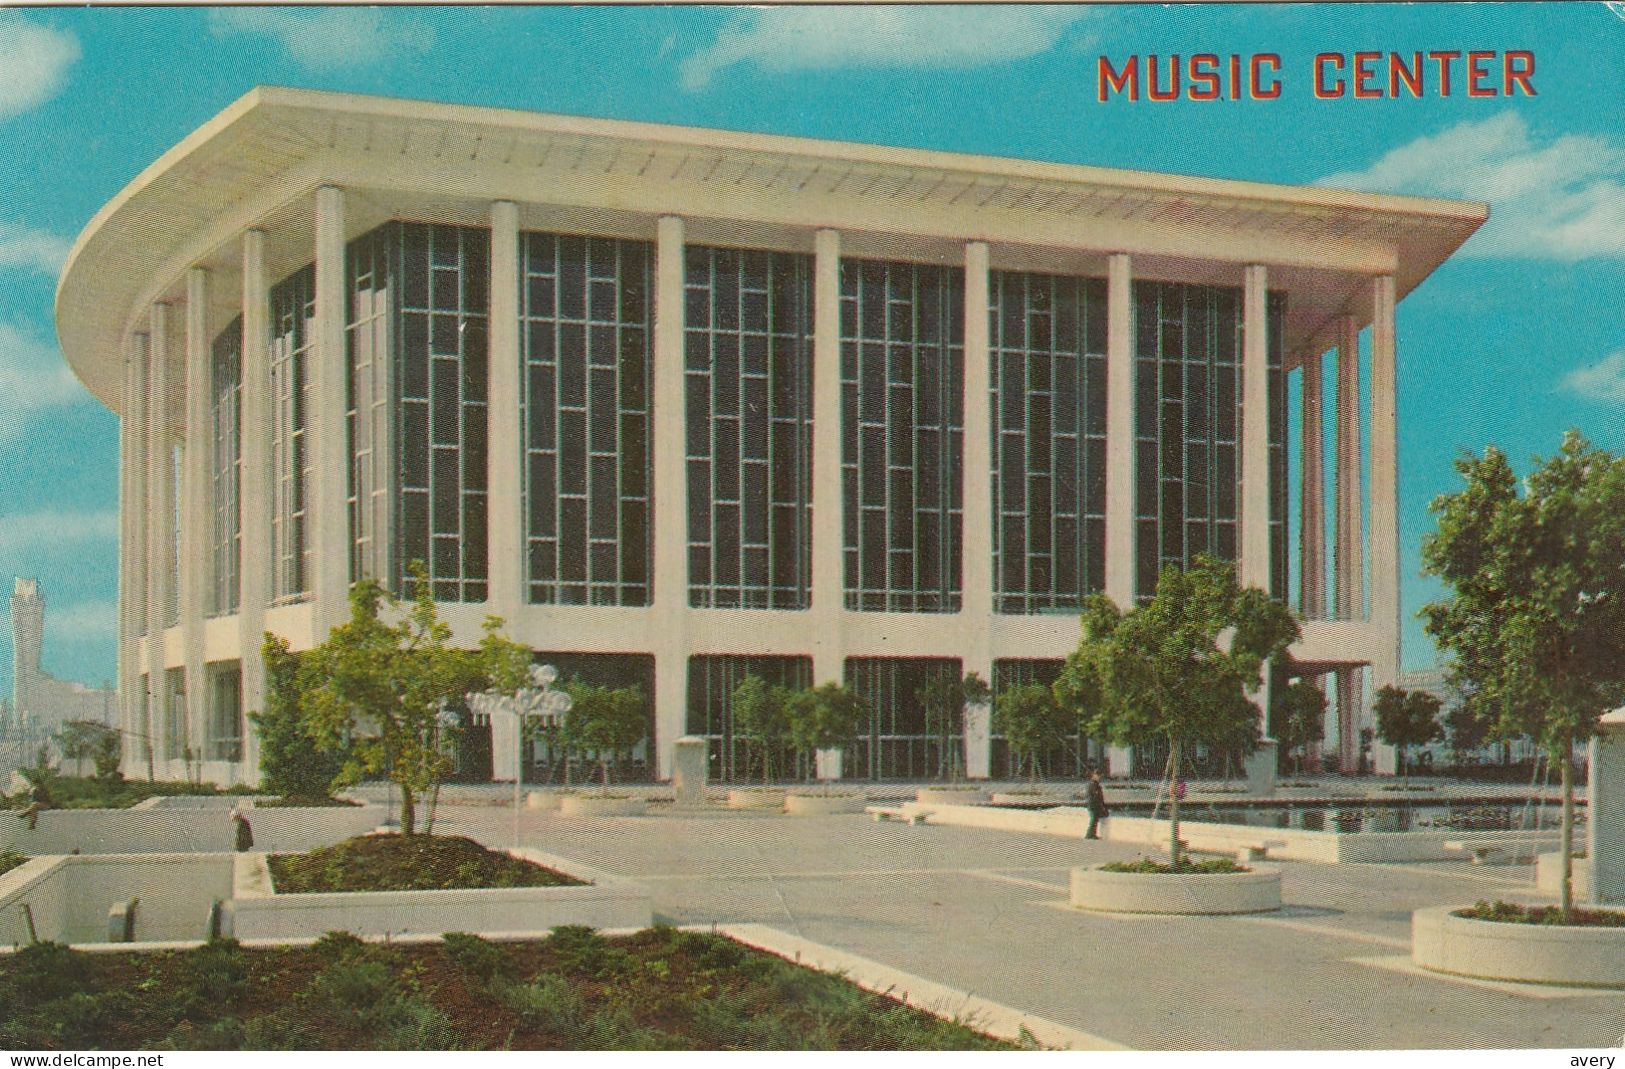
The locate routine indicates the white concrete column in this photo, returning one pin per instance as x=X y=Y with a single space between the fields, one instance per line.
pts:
x=1384 y=502
x=1312 y=536
x=1120 y=445
x=160 y=520
x=1350 y=705
x=133 y=579
x=327 y=527
x=254 y=493
x=828 y=553
x=669 y=445
x=1605 y=825
x=197 y=519
x=505 y=453
x=1254 y=563
x=976 y=494
x=1350 y=566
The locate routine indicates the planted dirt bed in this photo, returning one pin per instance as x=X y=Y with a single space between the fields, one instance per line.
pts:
x=658 y=989
x=1513 y=913
x=407 y=863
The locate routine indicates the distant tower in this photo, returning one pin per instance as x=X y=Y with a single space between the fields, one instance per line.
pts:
x=27 y=633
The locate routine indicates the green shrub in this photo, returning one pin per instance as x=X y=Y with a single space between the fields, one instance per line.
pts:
x=478 y=958
x=356 y=988
x=46 y=971
x=337 y=946
x=1513 y=913
x=1207 y=867
x=549 y=1004
x=10 y=859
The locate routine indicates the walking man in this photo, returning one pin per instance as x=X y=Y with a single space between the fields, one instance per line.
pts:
x=1096 y=801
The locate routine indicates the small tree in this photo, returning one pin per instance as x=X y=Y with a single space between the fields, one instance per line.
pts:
x=1181 y=666
x=378 y=688
x=293 y=760
x=1467 y=731
x=606 y=720
x=1298 y=718
x=1535 y=621
x=760 y=712
x=1405 y=719
x=825 y=717
x=109 y=753
x=1031 y=721
x=79 y=739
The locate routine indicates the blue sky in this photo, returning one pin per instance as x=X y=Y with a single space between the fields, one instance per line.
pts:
x=1519 y=337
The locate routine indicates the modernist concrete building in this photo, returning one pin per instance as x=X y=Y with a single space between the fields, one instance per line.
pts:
x=41 y=703
x=681 y=403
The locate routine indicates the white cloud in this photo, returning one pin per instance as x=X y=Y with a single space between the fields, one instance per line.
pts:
x=1603 y=381
x=80 y=622
x=34 y=62
x=32 y=249
x=1560 y=198
x=56 y=529
x=809 y=38
x=324 y=38
x=33 y=379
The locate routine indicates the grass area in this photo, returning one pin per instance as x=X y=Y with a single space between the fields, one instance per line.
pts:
x=87 y=792
x=1205 y=867
x=660 y=989
x=407 y=863
x=10 y=859
x=1512 y=913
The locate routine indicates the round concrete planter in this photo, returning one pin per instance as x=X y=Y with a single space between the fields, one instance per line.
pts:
x=1026 y=798
x=542 y=801
x=1549 y=875
x=950 y=795
x=1580 y=956
x=820 y=805
x=1257 y=891
x=755 y=798
x=600 y=805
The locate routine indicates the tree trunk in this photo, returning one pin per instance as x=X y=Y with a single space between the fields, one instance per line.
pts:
x=409 y=813
x=603 y=768
x=434 y=807
x=1173 y=803
x=1404 y=765
x=1568 y=831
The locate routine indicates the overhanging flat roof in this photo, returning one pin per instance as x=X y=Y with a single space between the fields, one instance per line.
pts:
x=283 y=142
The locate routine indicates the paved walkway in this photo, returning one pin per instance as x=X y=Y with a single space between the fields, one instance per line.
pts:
x=985 y=911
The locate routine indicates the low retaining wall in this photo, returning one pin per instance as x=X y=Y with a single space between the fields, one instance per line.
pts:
x=256 y=911
x=1257 y=891
x=1530 y=953
x=69 y=896
x=153 y=829
x=822 y=805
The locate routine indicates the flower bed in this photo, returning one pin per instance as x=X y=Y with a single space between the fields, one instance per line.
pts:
x=407 y=863
x=1520 y=944
x=1140 y=890
x=1206 y=866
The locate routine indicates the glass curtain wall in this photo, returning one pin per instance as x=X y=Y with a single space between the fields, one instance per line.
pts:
x=748 y=344
x=587 y=369
x=225 y=714
x=1047 y=351
x=1070 y=760
x=895 y=743
x=293 y=313
x=902 y=434
x=712 y=680
x=226 y=421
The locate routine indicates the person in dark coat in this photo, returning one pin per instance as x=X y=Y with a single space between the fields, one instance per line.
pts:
x=1096 y=801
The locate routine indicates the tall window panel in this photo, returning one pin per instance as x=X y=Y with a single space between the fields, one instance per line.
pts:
x=712 y=680
x=902 y=434
x=1047 y=346
x=1188 y=428
x=225 y=741
x=895 y=742
x=226 y=421
x=1069 y=760
x=293 y=312
x=588 y=365
x=371 y=266
x=749 y=390
x=441 y=371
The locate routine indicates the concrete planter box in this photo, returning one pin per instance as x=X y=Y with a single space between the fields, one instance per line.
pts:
x=167 y=829
x=256 y=911
x=1530 y=953
x=1549 y=875
x=1258 y=891
x=821 y=805
x=69 y=897
x=755 y=798
x=1027 y=798
x=601 y=805
x=542 y=801
x=950 y=795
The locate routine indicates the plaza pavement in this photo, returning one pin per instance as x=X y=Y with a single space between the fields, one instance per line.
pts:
x=986 y=911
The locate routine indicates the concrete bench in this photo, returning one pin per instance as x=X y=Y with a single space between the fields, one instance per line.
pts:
x=887 y=812
x=1258 y=851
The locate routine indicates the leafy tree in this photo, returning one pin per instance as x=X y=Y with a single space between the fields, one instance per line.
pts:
x=606 y=720
x=1535 y=618
x=1467 y=730
x=761 y=714
x=1298 y=718
x=825 y=717
x=943 y=699
x=1405 y=719
x=1031 y=721
x=109 y=753
x=376 y=688
x=293 y=760
x=79 y=739
x=1181 y=666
